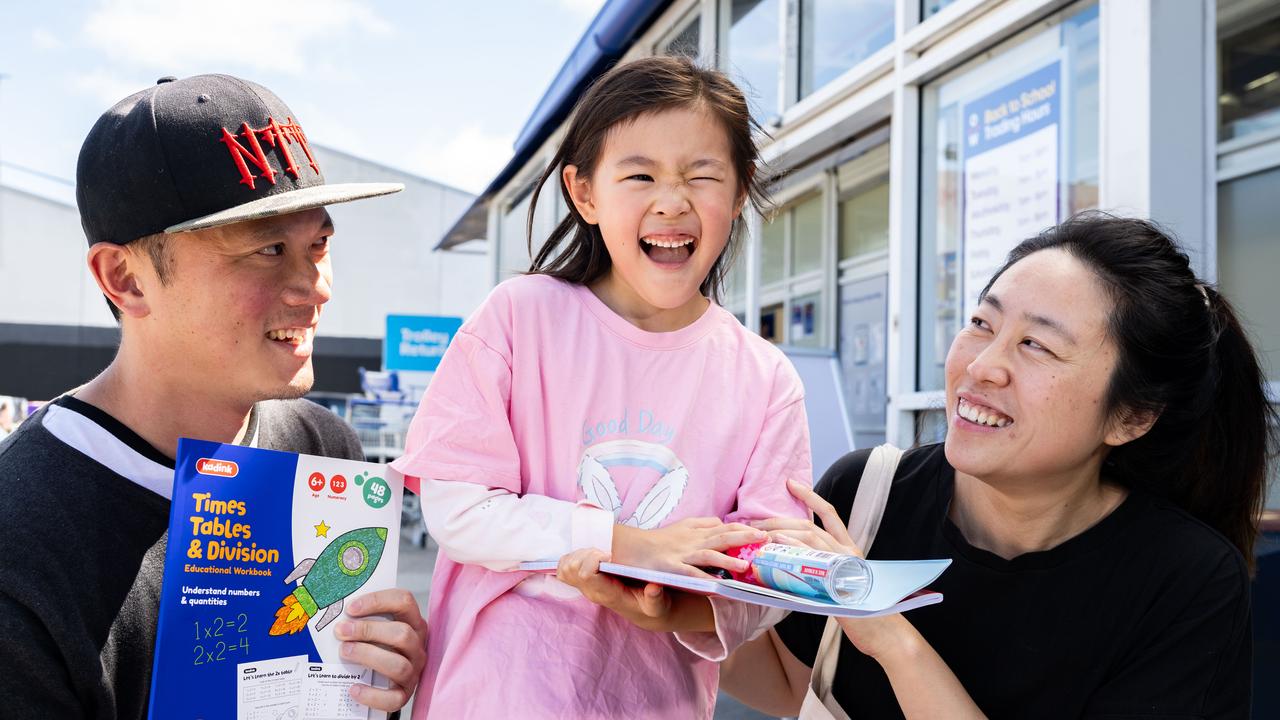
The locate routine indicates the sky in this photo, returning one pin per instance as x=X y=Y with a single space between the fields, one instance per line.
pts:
x=438 y=88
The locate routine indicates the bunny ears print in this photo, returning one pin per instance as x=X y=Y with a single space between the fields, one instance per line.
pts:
x=600 y=489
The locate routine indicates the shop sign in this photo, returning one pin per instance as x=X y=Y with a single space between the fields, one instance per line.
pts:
x=1011 y=167
x=417 y=342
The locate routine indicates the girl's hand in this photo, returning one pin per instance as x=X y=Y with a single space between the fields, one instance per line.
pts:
x=649 y=606
x=684 y=546
x=833 y=536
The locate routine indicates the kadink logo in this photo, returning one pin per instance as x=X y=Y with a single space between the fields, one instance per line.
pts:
x=218 y=468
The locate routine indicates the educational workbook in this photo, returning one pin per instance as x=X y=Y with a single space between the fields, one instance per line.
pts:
x=265 y=549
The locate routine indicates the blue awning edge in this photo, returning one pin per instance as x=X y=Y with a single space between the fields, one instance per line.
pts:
x=606 y=40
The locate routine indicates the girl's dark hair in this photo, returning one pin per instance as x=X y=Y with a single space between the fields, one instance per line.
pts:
x=649 y=85
x=1183 y=358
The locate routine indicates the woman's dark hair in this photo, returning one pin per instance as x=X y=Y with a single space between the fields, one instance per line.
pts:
x=1184 y=359
x=628 y=91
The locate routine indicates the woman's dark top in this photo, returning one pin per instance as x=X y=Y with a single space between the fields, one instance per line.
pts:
x=1144 y=615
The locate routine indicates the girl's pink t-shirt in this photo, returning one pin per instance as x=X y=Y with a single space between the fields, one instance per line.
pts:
x=545 y=390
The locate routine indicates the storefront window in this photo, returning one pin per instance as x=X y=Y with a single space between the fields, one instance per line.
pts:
x=835 y=36
x=806 y=236
x=1248 y=257
x=773 y=250
x=755 y=54
x=791 y=276
x=1249 y=78
x=1009 y=148
x=864 y=220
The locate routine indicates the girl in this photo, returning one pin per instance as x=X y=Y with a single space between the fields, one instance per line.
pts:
x=604 y=401
x=1099 y=491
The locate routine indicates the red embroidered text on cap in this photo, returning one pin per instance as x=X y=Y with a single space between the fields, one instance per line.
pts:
x=275 y=135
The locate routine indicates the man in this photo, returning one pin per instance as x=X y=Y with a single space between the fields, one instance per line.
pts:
x=204 y=211
x=6 y=417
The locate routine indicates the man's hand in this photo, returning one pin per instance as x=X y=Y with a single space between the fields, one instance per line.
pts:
x=396 y=648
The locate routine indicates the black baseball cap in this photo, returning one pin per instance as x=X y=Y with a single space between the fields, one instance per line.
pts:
x=197 y=153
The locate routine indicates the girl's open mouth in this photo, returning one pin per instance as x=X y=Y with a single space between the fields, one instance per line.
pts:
x=668 y=249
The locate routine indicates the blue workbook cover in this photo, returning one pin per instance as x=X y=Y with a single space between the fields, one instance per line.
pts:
x=265 y=549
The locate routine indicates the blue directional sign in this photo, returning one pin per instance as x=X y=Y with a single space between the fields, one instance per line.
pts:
x=417 y=342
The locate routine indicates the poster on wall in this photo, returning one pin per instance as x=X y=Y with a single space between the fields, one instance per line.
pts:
x=864 y=310
x=1011 y=168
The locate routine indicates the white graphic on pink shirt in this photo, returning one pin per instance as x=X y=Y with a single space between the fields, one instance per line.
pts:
x=596 y=478
x=603 y=468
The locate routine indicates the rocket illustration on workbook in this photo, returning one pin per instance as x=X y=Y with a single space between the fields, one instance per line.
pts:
x=265 y=551
x=324 y=582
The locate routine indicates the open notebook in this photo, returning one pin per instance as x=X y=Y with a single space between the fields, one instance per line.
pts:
x=897 y=586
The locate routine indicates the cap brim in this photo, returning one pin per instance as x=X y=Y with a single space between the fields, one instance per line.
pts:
x=289 y=202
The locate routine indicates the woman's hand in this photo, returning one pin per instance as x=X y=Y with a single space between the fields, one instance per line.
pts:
x=649 y=606
x=877 y=636
x=684 y=546
x=831 y=537
x=923 y=684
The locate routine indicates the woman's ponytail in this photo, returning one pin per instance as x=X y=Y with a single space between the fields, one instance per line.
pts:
x=1225 y=479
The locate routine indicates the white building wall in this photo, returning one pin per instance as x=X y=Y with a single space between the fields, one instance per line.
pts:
x=383 y=256
x=43 y=279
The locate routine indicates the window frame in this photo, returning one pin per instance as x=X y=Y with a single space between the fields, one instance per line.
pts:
x=793 y=285
x=1249 y=154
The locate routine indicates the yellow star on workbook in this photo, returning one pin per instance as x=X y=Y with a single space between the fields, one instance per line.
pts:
x=322 y=530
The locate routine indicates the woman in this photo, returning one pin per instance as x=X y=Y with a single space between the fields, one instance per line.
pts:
x=1098 y=492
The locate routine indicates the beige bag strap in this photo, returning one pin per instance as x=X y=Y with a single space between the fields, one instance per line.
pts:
x=864 y=522
x=873 y=495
